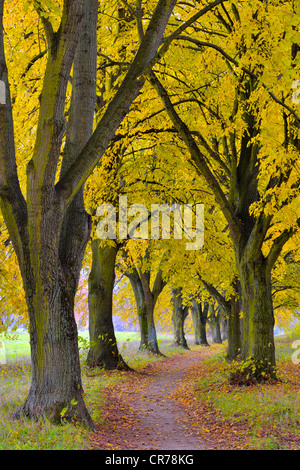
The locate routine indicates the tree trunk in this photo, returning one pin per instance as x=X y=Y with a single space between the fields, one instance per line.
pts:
x=199 y=315
x=234 y=329
x=145 y=302
x=258 y=332
x=152 y=335
x=248 y=232
x=214 y=320
x=57 y=241
x=141 y=309
x=180 y=313
x=56 y=388
x=196 y=323
x=150 y=300
x=103 y=350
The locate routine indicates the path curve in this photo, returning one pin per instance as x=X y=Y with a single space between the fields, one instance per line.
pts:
x=144 y=412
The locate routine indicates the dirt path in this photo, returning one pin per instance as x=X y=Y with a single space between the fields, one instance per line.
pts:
x=158 y=410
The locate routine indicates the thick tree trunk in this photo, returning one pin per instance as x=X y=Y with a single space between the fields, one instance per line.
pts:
x=56 y=388
x=258 y=332
x=58 y=239
x=180 y=313
x=103 y=350
x=199 y=315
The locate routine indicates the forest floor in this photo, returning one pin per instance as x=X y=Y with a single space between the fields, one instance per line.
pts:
x=157 y=409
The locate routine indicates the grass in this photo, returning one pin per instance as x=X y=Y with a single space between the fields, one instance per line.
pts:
x=270 y=411
x=15 y=377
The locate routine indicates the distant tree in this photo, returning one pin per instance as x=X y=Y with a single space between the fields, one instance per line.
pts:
x=180 y=312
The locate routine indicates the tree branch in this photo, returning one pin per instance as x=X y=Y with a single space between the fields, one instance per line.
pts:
x=32 y=62
x=45 y=21
x=216 y=294
x=117 y=109
x=168 y=41
x=51 y=124
x=277 y=246
x=12 y=202
x=197 y=156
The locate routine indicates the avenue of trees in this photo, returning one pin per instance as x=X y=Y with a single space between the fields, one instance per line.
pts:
x=164 y=102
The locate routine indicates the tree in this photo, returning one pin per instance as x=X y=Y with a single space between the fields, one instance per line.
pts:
x=141 y=306
x=103 y=350
x=200 y=314
x=231 y=310
x=140 y=271
x=214 y=320
x=49 y=229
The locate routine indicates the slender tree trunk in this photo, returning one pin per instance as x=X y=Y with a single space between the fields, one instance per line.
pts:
x=196 y=323
x=214 y=321
x=150 y=300
x=141 y=310
x=224 y=327
x=103 y=350
x=152 y=335
x=142 y=316
x=145 y=302
x=180 y=313
x=234 y=329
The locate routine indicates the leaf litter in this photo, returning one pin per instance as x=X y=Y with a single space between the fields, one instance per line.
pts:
x=158 y=409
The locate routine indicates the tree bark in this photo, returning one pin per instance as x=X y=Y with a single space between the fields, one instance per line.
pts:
x=180 y=312
x=231 y=309
x=215 y=323
x=56 y=389
x=141 y=306
x=258 y=333
x=146 y=298
x=199 y=314
x=103 y=350
x=150 y=300
x=234 y=326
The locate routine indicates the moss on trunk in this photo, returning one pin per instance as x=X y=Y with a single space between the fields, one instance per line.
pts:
x=103 y=350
